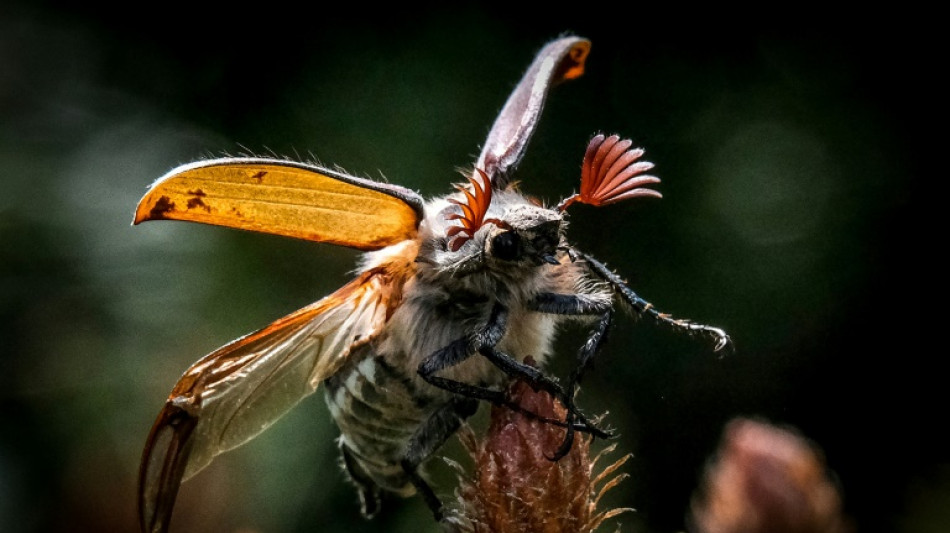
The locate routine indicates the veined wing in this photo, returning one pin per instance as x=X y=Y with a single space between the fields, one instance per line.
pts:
x=234 y=393
x=560 y=60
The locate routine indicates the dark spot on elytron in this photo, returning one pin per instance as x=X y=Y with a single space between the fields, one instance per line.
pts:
x=197 y=192
x=259 y=176
x=162 y=206
x=196 y=202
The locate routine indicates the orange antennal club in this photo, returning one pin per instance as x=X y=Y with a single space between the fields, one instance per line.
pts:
x=474 y=207
x=611 y=172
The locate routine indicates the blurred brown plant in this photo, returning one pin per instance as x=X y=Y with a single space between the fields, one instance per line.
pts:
x=767 y=479
x=516 y=487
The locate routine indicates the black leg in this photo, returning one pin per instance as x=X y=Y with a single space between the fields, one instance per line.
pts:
x=538 y=381
x=431 y=435
x=585 y=356
x=643 y=307
x=577 y=304
x=366 y=488
x=483 y=341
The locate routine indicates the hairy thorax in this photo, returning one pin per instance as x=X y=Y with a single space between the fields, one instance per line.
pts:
x=451 y=293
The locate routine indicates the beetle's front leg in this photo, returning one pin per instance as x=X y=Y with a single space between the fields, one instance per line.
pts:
x=643 y=307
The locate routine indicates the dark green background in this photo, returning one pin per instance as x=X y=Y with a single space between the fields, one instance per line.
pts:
x=794 y=151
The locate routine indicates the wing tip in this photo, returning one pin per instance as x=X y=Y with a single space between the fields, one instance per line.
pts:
x=163 y=466
x=152 y=208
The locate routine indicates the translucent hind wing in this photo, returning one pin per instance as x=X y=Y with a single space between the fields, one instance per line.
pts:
x=560 y=60
x=236 y=392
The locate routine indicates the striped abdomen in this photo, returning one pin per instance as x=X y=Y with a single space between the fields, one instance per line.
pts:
x=377 y=408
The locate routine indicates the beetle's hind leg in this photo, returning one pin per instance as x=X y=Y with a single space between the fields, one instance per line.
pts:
x=430 y=436
x=367 y=489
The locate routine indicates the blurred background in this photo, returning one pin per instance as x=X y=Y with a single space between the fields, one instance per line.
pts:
x=793 y=163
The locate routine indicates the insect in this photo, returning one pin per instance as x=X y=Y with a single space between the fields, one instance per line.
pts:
x=452 y=295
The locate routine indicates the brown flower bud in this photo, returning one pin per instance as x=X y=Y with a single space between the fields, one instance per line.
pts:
x=766 y=479
x=516 y=487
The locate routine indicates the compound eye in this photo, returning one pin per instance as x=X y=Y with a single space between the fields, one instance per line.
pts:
x=505 y=246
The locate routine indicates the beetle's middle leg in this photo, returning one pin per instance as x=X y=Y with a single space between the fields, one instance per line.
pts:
x=577 y=305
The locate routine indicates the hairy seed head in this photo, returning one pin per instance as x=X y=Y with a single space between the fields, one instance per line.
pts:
x=515 y=487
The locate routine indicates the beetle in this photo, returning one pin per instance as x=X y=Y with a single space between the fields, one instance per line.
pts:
x=451 y=296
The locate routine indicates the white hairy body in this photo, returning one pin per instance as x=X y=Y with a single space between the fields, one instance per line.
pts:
x=448 y=296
